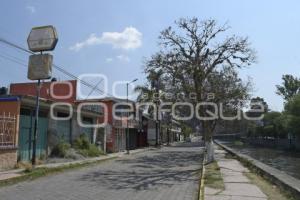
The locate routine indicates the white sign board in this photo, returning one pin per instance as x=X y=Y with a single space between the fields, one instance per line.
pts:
x=40 y=67
x=43 y=38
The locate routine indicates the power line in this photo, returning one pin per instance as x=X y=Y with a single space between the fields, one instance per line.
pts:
x=11 y=44
x=12 y=60
x=21 y=62
x=16 y=46
x=93 y=89
x=13 y=57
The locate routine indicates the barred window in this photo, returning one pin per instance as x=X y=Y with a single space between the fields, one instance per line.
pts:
x=7 y=131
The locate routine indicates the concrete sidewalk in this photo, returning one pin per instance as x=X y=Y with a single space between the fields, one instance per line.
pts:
x=237 y=185
x=4 y=175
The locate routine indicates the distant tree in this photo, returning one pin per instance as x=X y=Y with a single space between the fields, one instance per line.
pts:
x=271 y=124
x=292 y=109
x=186 y=130
x=281 y=125
x=3 y=91
x=289 y=88
x=275 y=124
x=261 y=101
x=255 y=104
x=270 y=117
x=150 y=92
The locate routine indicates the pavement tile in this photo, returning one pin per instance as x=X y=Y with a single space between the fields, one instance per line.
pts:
x=242 y=189
x=237 y=185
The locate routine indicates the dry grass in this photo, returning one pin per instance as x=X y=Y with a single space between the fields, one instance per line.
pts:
x=272 y=191
x=213 y=177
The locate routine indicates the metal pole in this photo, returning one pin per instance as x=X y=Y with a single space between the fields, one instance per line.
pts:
x=36 y=122
x=156 y=126
x=168 y=135
x=127 y=130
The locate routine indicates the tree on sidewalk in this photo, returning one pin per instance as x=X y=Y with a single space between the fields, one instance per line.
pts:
x=289 y=88
x=192 y=53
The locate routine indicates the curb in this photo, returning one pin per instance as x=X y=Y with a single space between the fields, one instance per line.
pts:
x=201 y=185
x=80 y=162
x=284 y=181
x=201 y=182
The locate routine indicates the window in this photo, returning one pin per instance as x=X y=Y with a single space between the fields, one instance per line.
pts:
x=7 y=131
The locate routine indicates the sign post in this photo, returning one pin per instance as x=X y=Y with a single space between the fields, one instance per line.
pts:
x=43 y=38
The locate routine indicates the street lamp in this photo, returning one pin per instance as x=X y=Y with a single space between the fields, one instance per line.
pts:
x=157 y=122
x=127 y=129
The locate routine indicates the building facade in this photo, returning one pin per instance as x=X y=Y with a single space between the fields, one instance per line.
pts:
x=117 y=126
x=9 y=128
x=59 y=119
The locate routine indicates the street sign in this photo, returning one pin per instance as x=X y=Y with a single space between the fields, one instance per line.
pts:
x=42 y=38
x=40 y=66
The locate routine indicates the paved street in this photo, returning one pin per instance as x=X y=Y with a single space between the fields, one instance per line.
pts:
x=170 y=173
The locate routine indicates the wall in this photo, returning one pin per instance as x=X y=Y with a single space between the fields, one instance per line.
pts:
x=110 y=147
x=71 y=127
x=274 y=143
x=8 y=158
x=8 y=155
x=151 y=133
x=55 y=133
x=59 y=89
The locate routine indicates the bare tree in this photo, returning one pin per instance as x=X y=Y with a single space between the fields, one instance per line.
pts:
x=192 y=53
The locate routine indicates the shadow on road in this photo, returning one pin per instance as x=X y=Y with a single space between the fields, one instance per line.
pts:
x=139 y=180
x=169 y=166
x=189 y=144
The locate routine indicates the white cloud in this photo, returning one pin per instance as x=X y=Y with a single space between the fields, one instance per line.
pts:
x=31 y=9
x=123 y=58
x=130 y=38
x=108 y=60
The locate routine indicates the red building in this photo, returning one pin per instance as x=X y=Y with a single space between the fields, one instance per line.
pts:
x=62 y=91
x=115 y=129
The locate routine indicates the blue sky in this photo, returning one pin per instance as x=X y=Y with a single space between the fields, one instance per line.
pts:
x=272 y=27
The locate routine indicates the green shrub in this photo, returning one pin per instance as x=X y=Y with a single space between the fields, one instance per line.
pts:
x=93 y=151
x=82 y=142
x=85 y=148
x=60 y=150
x=268 y=131
x=238 y=143
x=43 y=156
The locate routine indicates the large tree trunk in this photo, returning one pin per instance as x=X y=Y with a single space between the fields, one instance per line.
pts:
x=210 y=152
x=209 y=144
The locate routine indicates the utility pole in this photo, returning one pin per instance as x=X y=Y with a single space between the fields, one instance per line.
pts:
x=127 y=129
x=168 y=135
x=157 y=124
x=127 y=114
x=36 y=122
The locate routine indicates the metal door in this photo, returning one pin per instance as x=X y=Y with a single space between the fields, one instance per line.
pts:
x=26 y=136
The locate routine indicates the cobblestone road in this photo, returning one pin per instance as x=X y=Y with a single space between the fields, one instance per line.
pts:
x=169 y=173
